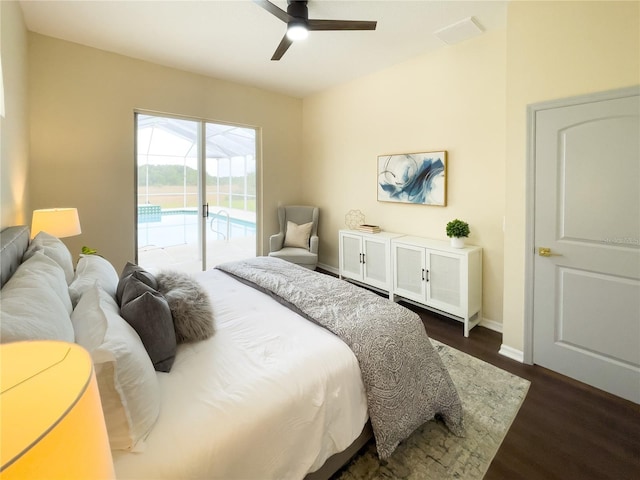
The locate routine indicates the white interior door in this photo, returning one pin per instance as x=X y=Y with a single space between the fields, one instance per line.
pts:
x=586 y=286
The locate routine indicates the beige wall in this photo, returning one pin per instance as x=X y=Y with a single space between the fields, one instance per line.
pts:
x=469 y=99
x=82 y=135
x=14 y=127
x=454 y=100
x=555 y=50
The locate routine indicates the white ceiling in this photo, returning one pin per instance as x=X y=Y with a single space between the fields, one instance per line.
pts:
x=235 y=39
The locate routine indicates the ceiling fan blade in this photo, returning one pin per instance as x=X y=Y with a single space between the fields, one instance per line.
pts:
x=285 y=43
x=318 y=25
x=274 y=10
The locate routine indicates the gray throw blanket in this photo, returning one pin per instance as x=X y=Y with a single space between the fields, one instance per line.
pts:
x=405 y=381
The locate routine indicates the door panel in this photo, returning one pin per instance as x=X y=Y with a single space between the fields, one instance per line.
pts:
x=409 y=272
x=351 y=263
x=375 y=262
x=229 y=180
x=444 y=285
x=596 y=178
x=168 y=227
x=586 y=294
x=617 y=298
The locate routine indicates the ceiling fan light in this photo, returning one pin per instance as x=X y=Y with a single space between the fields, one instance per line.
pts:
x=297 y=31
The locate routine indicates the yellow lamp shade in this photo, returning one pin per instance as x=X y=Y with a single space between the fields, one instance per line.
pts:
x=59 y=222
x=52 y=424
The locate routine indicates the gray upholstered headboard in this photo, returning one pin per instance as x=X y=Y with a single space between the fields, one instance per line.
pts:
x=13 y=243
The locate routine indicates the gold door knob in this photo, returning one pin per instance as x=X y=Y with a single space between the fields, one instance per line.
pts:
x=546 y=252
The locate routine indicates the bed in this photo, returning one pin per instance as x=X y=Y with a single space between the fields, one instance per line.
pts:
x=276 y=392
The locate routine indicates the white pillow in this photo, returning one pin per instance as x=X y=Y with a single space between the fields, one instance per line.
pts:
x=92 y=269
x=41 y=269
x=89 y=318
x=129 y=388
x=35 y=304
x=53 y=248
x=298 y=235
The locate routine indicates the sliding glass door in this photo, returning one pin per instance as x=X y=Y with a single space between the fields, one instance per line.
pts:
x=196 y=192
x=230 y=192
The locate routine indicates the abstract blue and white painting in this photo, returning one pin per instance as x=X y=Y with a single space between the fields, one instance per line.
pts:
x=413 y=178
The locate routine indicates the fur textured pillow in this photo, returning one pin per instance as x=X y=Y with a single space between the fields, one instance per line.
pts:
x=189 y=304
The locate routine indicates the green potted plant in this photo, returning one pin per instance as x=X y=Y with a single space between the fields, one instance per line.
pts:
x=457 y=230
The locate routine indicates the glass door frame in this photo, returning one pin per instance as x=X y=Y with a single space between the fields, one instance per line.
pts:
x=202 y=184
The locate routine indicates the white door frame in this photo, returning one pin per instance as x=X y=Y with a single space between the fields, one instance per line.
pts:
x=529 y=270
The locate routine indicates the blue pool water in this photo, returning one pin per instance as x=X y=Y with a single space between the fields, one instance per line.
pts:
x=176 y=227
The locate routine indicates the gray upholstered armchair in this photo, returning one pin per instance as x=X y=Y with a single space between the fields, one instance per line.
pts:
x=297 y=241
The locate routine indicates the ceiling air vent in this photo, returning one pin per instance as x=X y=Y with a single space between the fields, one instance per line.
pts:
x=460 y=31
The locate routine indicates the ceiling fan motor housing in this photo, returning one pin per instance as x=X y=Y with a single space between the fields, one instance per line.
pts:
x=298 y=24
x=298 y=9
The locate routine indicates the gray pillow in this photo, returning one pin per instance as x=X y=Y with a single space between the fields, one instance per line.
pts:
x=189 y=304
x=147 y=311
x=131 y=270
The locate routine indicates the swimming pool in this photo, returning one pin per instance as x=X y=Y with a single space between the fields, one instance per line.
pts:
x=167 y=228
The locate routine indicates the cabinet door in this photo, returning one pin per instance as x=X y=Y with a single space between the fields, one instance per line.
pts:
x=376 y=263
x=444 y=286
x=350 y=256
x=409 y=272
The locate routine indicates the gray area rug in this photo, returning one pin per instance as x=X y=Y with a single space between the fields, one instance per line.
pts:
x=490 y=398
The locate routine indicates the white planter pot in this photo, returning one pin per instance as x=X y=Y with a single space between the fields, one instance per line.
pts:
x=457 y=242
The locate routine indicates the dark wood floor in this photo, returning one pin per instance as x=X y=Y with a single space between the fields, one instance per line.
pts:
x=564 y=429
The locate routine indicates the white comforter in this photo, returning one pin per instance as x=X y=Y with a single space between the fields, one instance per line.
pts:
x=270 y=395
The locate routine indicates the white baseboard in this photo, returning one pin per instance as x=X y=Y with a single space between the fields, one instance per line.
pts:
x=511 y=353
x=329 y=268
x=491 y=325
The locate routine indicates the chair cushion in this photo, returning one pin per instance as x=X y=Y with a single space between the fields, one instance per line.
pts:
x=301 y=256
x=298 y=235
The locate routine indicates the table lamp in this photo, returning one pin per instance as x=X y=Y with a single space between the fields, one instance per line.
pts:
x=52 y=424
x=59 y=222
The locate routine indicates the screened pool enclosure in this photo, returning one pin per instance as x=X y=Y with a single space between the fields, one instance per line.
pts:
x=196 y=192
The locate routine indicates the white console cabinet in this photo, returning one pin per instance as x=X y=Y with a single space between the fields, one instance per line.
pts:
x=366 y=258
x=433 y=274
